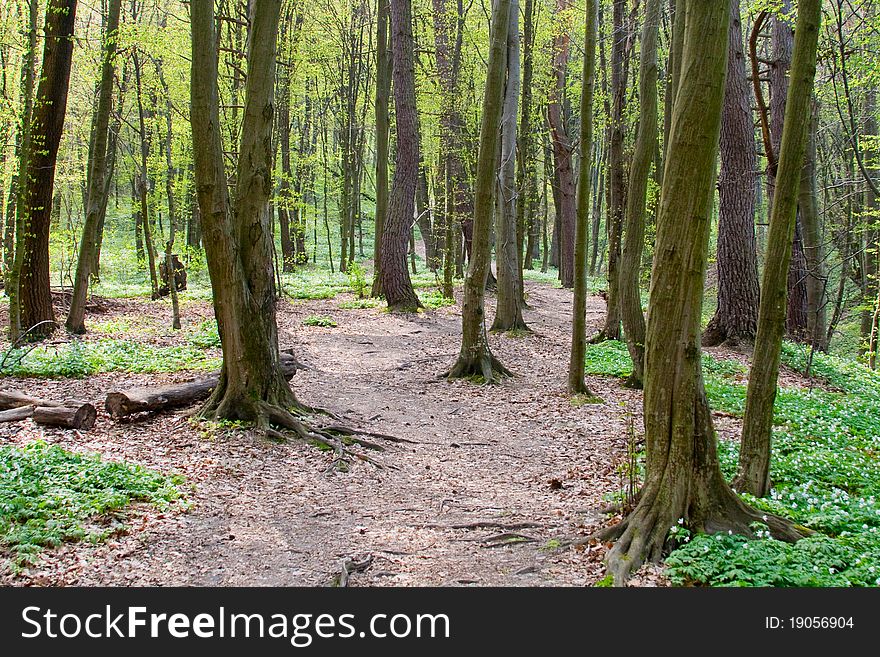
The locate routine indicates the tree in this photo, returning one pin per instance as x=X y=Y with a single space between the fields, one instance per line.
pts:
x=383 y=92
x=475 y=357
x=682 y=475
x=736 y=316
x=238 y=235
x=576 y=384
x=637 y=196
x=33 y=297
x=508 y=313
x=396 y=284
x=754 y=460
x=98 y=170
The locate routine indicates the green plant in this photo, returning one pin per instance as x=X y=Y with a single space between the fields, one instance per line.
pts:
x=357 y=278
x=319 y=320
x=359 y=304
x=434 y=299
x=204 y=335
x=49 y=495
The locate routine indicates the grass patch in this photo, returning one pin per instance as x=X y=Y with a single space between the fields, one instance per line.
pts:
x=204 y=335
x=360 y=304
x=434 y=299
x=824 y=469
x=49 y=495
x=585 y=400
x=319 y=320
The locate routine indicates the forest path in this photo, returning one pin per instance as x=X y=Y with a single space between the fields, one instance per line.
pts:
x=495 y=476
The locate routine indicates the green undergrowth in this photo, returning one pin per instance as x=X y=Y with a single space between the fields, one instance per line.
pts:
x=433 y=299
x=319 y=320
x=825 y=474
x=80 y=358
x=49 y=495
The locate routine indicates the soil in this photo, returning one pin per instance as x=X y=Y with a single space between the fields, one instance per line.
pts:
x=495 y=478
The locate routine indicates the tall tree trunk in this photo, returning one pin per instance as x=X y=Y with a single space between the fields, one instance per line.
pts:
x=32 y=249
x=526 y=221
x=871 y=268
x=143 y=182
x=286 y=200
x=98 y=170
x=475 y=357
x=637 y=196
x=508 y=312
x=754 y=459
x=736 y=316
x=563 y=150
x=396 y=284
x=383 y=92
x=683 y=479
x=576 y=384
x=616 y=174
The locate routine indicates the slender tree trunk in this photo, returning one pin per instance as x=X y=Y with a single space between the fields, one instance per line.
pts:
x=475 y=357
x=396 y=284
x=32 y=249
x=683 y=479
x=98 y=169
x=383 y=92
x=754 y=460
x=576 y=384
x=871 y=268
x=637 y=196
x=508 y=313
x=526 y=220
x=143 y=182
x=736 y=316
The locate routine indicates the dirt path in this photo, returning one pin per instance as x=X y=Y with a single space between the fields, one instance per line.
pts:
x=495 y=476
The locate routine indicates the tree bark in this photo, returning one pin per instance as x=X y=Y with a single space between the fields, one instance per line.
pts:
x=98 y=170
x=32 y=250
x=396 y=284
x=637 y=196
x=475 y=357
x=143 y=182
x=682 y=477
x=754 y=460
x=576 y=384
x=508 y=312
x=736 y=316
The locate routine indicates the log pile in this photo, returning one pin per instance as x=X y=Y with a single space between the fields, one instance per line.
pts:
x=69 y=414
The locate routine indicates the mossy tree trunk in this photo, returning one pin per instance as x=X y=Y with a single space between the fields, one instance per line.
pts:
x=576 y=384
x=637 y=196
x=754 y=460
x=682 y=476
x=98 y=169
x=475 y=357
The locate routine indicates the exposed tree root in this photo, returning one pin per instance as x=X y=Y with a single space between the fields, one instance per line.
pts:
x=484 y=365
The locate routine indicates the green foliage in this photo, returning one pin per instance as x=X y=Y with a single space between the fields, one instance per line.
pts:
x=309 y=282
x=319 y=320
x=357 y=279
x=433 y=299
x=359 y=304
x=80 y=358
x=48 y=496
x=205 y=335
x=825 y=474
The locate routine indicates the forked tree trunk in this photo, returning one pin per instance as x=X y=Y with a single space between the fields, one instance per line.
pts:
x=508 y=313
x=396 y=284
x=475 y=357
x=576 y=384
x=637 y=196
x=96 y=195
x=682 y=475
x=238 y=242
x=736 y=316
x=754 y=460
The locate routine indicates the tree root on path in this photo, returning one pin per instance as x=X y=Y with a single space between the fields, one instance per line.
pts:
x=484 y=365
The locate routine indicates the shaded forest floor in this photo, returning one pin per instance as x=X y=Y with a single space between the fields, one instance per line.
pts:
x=494 y=478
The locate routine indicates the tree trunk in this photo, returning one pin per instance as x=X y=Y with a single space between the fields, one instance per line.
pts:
x=616 y=174
x=396 y=284
x=32 y=252
x=475 y=357
x=682 y=477
x=754 y=459
x=736 y=316
x=576 y=384
x=98 y=170
x=527 y=221
x=238 y=241
x=508 y=312
x=143 y=182
x=637 y=196
x=563 y=150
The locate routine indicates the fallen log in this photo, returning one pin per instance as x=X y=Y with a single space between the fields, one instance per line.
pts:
x=80 y=416
x=121 y=403
x=15 y=399
x=15 y=414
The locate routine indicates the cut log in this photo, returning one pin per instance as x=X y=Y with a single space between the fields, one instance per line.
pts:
x=122 y=403
x=15 y=414
x=15 y=399
x=80 y=416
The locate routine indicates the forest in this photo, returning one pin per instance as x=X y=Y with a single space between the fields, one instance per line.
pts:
x=386 y=293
